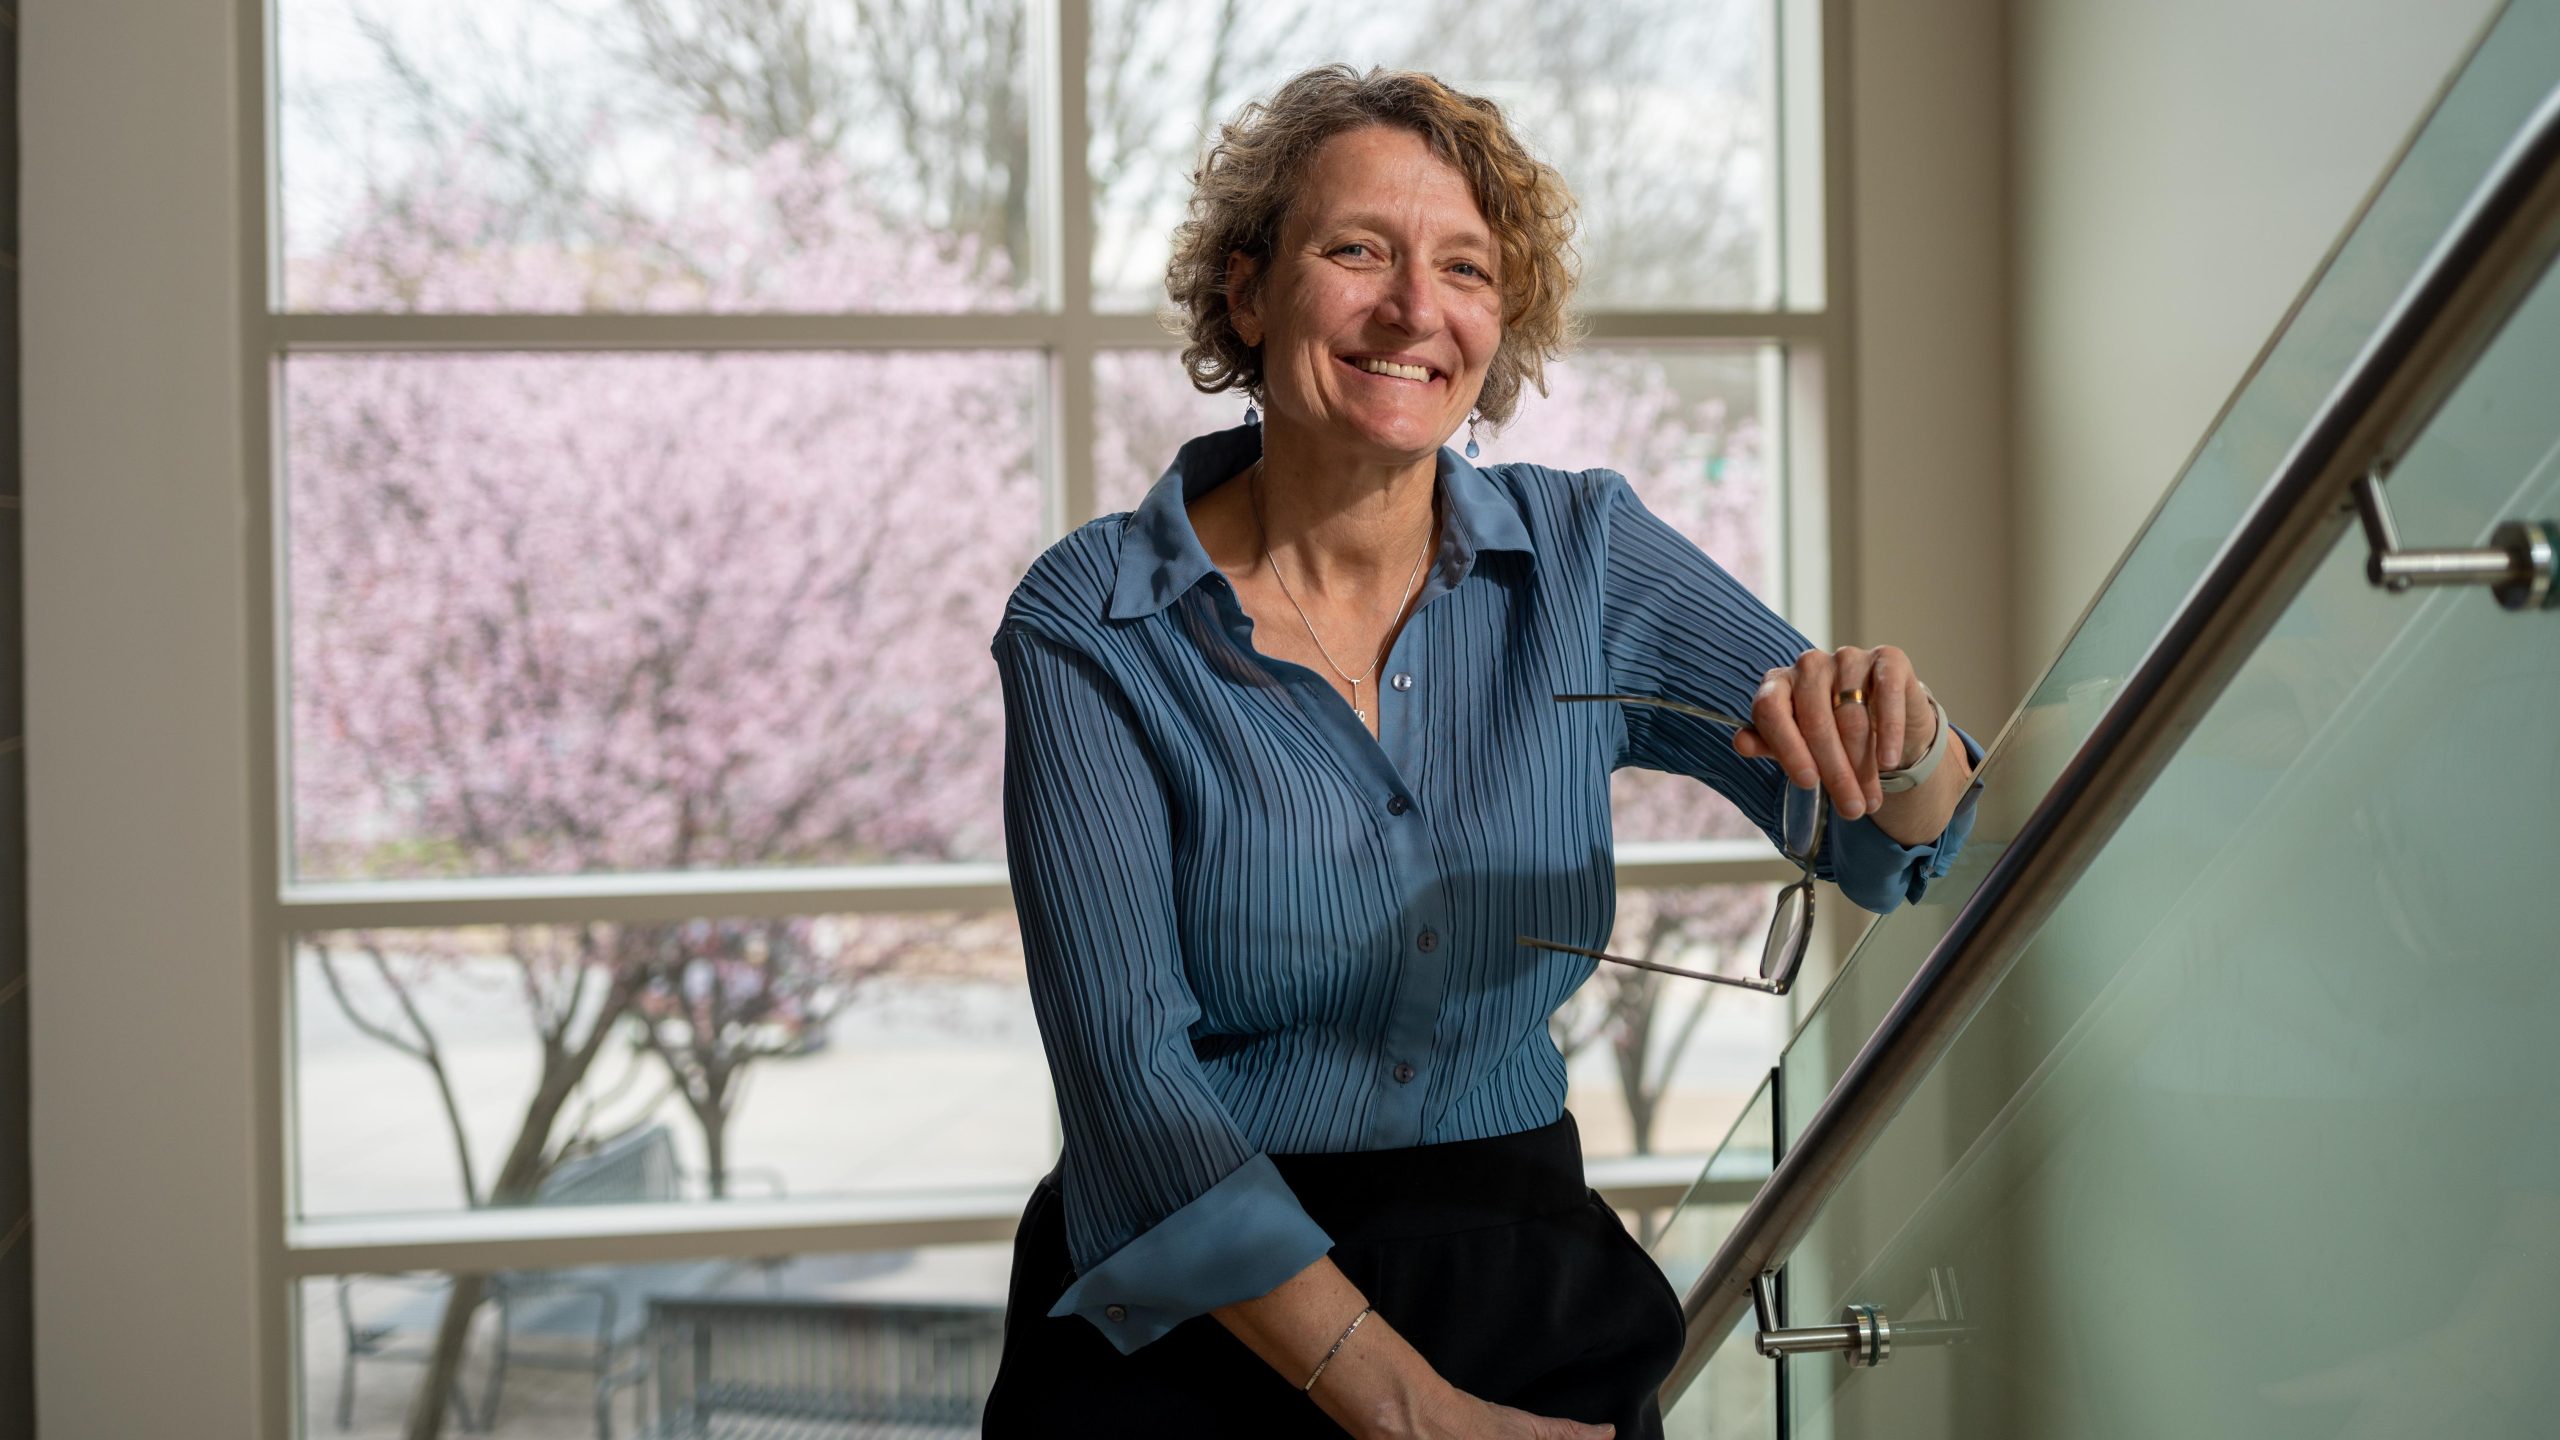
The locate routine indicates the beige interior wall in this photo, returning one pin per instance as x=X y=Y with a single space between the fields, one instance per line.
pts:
x=1930 y=276
x=2178 y=168
x=151 y=1194
x=1928 y=284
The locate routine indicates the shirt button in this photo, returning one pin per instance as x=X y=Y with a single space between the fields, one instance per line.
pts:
x=1397 y=804
x=1427 y=941
x=1116 y=1312
x=1402 y=681
x=1404 y=1073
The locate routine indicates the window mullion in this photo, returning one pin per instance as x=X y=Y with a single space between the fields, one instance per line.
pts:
x=311 y=333
x=1071 y=370
x=659 y=897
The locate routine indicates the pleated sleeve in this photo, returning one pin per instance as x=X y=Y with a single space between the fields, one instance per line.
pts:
x=1674 y=624
x=1170 y=1210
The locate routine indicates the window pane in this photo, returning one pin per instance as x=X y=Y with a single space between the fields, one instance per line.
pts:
x=556 y=614
x=739 y=1059
x=1662 y=1064
x=1658 y=112
x=654 y=155
x=900 y=1342
x=1144 y=409
x=1684 y=424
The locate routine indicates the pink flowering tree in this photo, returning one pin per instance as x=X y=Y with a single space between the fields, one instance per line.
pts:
x=560 y=614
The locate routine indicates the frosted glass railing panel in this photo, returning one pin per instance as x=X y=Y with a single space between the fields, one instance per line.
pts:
x=2486 y=103
x=1736 y=1398
x=2261 y=1138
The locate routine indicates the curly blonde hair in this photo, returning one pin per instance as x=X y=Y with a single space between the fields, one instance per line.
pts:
x=1242 y=191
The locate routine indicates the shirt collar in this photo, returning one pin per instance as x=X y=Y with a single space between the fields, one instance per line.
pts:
x=1161 y=556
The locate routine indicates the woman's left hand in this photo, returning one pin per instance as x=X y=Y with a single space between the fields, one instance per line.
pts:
x=1796 y=721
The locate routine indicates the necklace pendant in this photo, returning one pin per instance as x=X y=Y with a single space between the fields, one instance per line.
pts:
x=1363 y=714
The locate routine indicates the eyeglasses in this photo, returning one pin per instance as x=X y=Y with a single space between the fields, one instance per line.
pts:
x=1791 y=928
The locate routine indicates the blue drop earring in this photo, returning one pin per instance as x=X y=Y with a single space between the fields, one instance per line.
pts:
x=1251 y=415
x=1472 y=451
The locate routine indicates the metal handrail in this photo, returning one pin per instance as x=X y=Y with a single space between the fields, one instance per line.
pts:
x=2488 y=260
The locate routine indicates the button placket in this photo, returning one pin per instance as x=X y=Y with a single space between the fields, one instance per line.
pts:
x=1414 y=1009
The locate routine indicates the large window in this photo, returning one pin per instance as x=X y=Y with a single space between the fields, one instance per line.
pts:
x=667 y=394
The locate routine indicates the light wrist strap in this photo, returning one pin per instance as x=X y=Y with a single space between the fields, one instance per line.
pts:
x=1913 y=775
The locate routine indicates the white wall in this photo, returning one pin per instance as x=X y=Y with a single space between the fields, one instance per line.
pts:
x=150 y=1314
x=2178 y=169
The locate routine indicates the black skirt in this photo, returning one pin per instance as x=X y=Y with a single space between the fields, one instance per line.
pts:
x=1492 y=1257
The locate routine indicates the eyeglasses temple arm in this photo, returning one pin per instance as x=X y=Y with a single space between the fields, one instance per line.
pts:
x=1682 y=706
x=1765 y=987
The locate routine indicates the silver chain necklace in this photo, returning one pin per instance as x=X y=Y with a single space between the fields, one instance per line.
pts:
x=1253 y=483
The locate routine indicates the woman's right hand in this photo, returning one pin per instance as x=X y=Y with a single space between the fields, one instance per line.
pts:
x=1376 y=1385
x=1461 y=1416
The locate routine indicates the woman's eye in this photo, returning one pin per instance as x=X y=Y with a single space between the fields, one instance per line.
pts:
x=1354 y=245
x=1474 y=269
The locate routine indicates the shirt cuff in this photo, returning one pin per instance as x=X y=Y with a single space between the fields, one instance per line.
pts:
x=1240 y=1238
x=1878 y=872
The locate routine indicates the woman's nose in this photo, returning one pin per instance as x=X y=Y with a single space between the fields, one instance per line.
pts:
x=1409 y=301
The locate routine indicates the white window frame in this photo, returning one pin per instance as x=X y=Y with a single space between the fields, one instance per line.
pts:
x=1808 y=390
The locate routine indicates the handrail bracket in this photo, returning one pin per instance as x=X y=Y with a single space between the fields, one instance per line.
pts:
x=2516 y=564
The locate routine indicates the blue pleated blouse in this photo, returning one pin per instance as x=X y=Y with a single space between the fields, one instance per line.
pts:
x=1251 y=928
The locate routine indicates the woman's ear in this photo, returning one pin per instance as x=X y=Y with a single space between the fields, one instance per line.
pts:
x=1242 y=310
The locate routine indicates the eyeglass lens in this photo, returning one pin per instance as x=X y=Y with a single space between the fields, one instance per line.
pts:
x=1801 y=827
x=1787 y=930
x=1802 y=822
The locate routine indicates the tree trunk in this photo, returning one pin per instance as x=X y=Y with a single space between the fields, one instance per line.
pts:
x=517 y=1181
x=516 y=1184
x=711 y=1106
x=1633 y=1043
x=1642 y=1104
x=444 y=1365
x=715 y=1148
x=1643 y=1101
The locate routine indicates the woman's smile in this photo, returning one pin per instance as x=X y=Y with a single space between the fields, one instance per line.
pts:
x=1410 y=373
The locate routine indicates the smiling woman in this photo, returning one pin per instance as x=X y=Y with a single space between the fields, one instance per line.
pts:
x=1284 y=781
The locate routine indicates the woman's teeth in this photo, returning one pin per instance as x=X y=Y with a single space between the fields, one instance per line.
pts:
x=1389 y=367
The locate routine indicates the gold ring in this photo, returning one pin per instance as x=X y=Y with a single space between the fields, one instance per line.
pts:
x=1848 y=697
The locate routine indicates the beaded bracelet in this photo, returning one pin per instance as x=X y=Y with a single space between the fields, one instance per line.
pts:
x=1337 y=1346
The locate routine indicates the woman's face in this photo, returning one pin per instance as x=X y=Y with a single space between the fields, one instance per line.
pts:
x=1381 y=309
